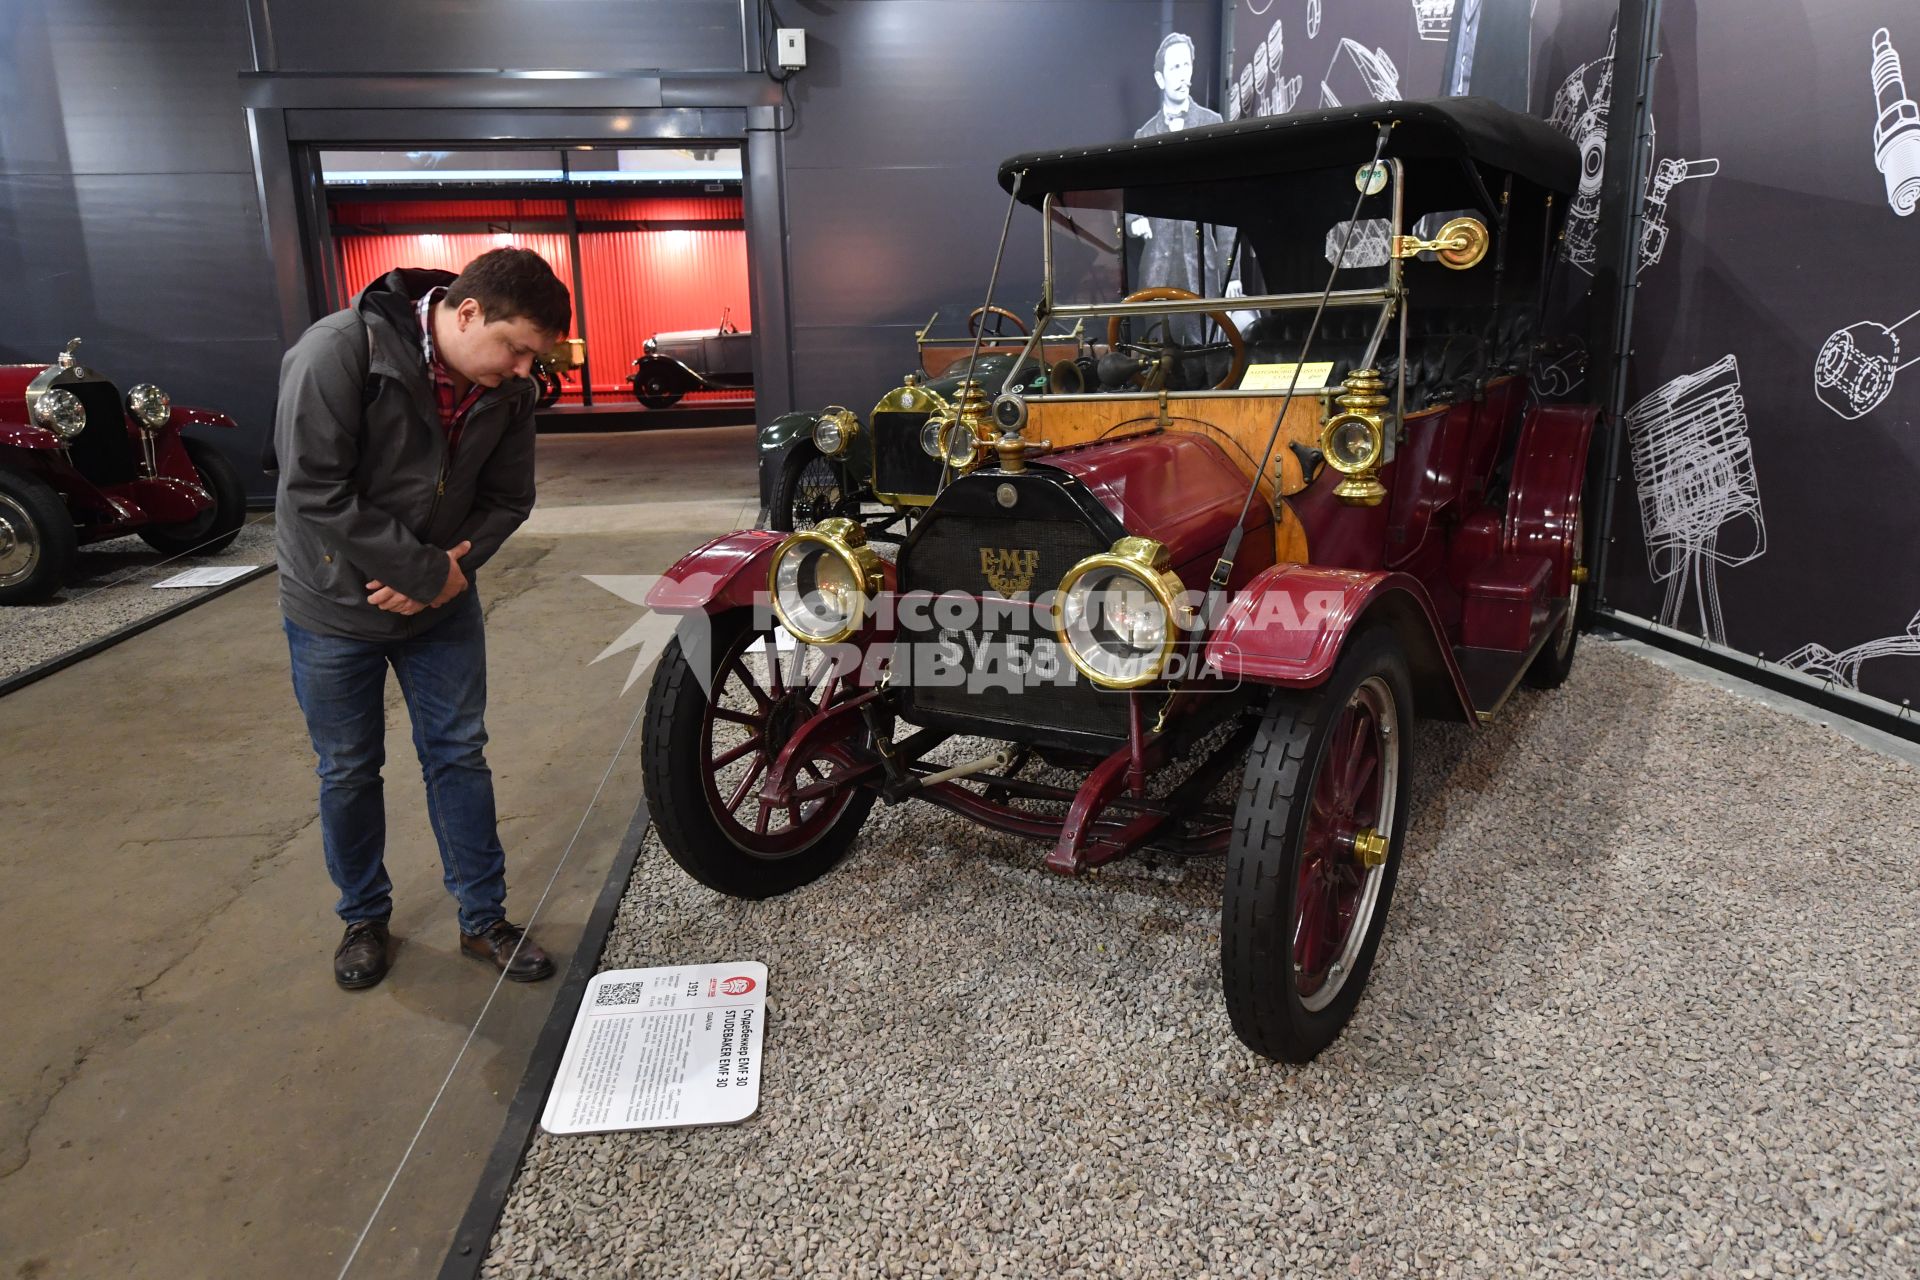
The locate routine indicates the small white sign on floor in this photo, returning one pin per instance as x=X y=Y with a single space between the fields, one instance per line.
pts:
x=662 y=1048
x=212 y=577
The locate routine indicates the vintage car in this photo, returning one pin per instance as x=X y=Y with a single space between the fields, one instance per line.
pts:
x=693 y=360
x=564 y=359
x=824 y=466
x=81 y=463
x=1199 y=609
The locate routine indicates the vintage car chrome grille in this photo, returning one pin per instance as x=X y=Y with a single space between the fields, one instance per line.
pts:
x=103 y=452
x=960 y=547
x=900 y=465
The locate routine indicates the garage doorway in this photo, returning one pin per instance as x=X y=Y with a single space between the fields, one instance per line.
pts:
x=651 y=240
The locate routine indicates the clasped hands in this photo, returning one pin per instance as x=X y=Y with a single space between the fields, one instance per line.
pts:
x=392 y=601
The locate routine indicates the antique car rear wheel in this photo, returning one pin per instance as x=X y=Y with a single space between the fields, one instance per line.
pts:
x=810 y=488
x=214 y=529
x=704 y=755
x=1315 y=851
x=37 y=541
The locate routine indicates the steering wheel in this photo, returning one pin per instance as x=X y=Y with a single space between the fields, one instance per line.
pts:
x=1167 y=293
x=991 y=318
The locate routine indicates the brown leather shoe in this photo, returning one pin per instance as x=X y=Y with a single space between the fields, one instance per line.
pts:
x=508 y=948
x=363 y=956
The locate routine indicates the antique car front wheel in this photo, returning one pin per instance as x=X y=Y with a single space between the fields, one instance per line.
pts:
x=1315 y=850
x=810 y=488
x=213 y=530
x=37 y=540
x=708 y=744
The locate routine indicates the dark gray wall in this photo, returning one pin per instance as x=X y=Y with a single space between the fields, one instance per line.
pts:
x=132 y=217
x=127 y=207
x=904 y=113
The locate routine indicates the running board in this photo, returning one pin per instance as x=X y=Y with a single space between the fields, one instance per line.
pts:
x=1493 y=674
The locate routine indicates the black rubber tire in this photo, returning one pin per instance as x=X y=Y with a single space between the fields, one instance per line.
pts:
x=214 y=529
x=670 y=746
x=653 y=392
x=53 y=533
x=1256 y=943
x=786 y=488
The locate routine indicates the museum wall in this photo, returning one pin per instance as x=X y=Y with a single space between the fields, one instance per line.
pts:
x=1770 y=452
x=1766 y=492
x=128 y=216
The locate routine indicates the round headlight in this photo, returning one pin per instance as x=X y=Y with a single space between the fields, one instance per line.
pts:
x=834 y=431
x=61 y=412
x=150 y=406
x=930 y=436
x=961 y=443
x=1351 y=443
x=820 y=581
x=1116 y=614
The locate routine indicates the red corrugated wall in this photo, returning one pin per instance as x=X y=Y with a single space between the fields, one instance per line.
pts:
x=637 y=283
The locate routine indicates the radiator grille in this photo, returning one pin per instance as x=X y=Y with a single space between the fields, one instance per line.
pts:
x=900 y=465
x=945 y=557
x=103 y=452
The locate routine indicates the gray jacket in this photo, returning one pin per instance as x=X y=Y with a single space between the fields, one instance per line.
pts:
x=367 y=490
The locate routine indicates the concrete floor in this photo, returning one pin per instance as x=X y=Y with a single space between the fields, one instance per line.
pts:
x=186 y=1091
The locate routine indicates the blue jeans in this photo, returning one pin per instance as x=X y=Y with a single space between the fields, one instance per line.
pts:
x=341 y=686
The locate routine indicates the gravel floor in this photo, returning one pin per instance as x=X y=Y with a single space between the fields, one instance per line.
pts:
x=112 y=586
x=1645 y=1006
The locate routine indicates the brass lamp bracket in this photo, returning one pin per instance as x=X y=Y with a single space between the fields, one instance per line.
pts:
x=1462 y=243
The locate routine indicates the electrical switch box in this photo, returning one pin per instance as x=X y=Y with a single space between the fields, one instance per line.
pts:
x=790 y=48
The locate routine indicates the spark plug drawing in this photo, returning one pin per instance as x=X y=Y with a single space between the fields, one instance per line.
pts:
x=1856 y=367
x=1896 y=133
x=1357 y=74
x=1693 y=469
x=1434 y=18
x=1843 y=668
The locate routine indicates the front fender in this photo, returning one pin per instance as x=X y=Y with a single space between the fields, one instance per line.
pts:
x=674 y=374
x=726 y=573
x=787 y=430
x=28 y=435
x=1289 y=625
x=185 y=416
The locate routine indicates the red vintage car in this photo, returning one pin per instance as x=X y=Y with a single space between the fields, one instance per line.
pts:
x=81 y=463
x=1195 y=602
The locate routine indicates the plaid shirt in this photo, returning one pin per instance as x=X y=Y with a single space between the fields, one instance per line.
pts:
x=453 y=407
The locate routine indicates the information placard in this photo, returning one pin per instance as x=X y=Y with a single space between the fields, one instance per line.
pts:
x=662 y=1048
x=1278 y=377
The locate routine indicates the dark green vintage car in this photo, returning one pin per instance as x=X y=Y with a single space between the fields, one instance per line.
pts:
x=882 y=471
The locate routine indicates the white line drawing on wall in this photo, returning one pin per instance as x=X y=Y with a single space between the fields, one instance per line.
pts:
x=1896 y=131
x=1582 y=113
x=1561 y=371
x=1313 y=19
x=1433 y=18
x=1261 y=89
x=1856 y=366
x=1357 y=74
x=1693 y=468
x=1369 y=247
x=1843 y=668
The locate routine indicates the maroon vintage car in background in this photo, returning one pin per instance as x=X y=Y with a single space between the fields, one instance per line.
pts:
x=81 y=463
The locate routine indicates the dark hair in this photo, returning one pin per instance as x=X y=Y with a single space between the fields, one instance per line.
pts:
x=510 y=283
x=1167 y=42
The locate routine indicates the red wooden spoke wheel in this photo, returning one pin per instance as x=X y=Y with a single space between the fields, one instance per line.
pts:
x=725 y=701
x=760 y=698
x=1314 y=852
x=1341 y=862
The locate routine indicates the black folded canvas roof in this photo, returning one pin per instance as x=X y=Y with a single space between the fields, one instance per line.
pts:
x=1458 y=128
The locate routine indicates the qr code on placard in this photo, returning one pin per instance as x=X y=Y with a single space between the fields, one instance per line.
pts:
x=620 y=993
